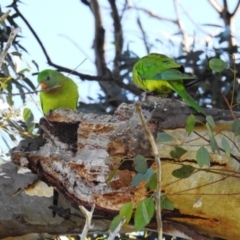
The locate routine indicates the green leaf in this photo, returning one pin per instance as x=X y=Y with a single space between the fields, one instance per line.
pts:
x=23 y=71
x=236 y=127
x=214 y=144
x=190 y=124
x=9 y=96
x=152 y=183
x=140 y=164
x=137 y=179
x=212 y=139
x=184 y=172
x=210 y=121
x=148 y=174
x=166 y=203
x=203 y=157
x=163 y=137
x=144 y=213
x=171 y=75
x=17 y=54
x=217 y=64
x=115 y=223
x=178 y=152
x=28 y=118
x=126 y=211
x=226 y=146
x=111 y=175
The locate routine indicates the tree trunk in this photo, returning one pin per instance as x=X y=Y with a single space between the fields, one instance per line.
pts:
x=81 y=151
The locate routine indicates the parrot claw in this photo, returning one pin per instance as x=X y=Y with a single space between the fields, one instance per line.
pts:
x=144 y=96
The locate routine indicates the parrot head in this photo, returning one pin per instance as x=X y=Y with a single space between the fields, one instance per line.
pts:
x=50 y=80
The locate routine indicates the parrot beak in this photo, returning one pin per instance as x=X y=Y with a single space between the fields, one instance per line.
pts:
x=43 y=85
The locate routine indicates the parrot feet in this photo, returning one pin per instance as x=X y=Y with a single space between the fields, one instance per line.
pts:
x=144 y=95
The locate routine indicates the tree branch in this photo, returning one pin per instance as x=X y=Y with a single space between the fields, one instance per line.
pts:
x=215 y=5
x=118 y=37
x=178 y=22
x=154 y=15
x=82 y=76
x=236 y=9
x=143 y=35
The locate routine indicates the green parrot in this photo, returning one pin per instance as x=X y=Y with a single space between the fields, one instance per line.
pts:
x=57 y=91
x=161 y=74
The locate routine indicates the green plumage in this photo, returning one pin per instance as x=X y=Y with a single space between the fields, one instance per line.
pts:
x=57 y=91
x=161 y=74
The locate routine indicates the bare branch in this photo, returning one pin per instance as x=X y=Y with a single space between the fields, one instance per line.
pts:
x=82 y=76
x=151 y=14
x=143 y=35
x=12 y=35
x=109 y=88
x=4 y=16
x=88 y=222
x=99 y=39
x=118 y=36
x=236 y=9
x=225 y=6
x=178 y=22
x=159 y=169
x=86 y=2
x=193 y=22
x=216 y=5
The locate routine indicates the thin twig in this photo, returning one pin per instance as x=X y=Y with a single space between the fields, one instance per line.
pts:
x=215 y=5
x=113 y=234
x=144 y=36
x=194 y=23
x=159 y=169
x=236 y=9
x=88 y=216
x=12 y=35
x=118 y=35
x=17 y=94
x=151 y=14
x=180 y=26
x=83 y=76
x=4 y=16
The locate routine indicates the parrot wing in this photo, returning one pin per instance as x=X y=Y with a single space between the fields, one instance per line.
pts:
x=172 y=75
x=153 y=64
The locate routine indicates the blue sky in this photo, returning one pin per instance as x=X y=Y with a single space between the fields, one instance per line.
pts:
x=59 y=23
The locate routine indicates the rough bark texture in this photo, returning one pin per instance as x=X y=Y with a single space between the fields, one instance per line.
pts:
x=81 y=151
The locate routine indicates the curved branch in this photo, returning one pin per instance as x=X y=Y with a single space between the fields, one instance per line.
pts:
x=215 y=5
x=144 y=36
x=118 y=36
x=82 y=76
x=151 y=14
x=236 y=9
x=99 y=39
x=180 y=26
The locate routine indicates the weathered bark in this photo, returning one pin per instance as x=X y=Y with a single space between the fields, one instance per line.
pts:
x=82 y=149
x=25 y=208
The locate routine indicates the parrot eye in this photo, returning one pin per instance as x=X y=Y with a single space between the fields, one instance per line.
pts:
x=48 y=78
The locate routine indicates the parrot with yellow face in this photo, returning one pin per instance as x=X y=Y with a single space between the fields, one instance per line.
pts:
x=161 y=74
x=57 y=91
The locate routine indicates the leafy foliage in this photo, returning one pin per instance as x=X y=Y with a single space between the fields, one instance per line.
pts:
x=236 y=127
x=217 y=78
x=217 y=64
x=184 y=172
x=163 y=137
x=29 y=119
x=177 y=152
x=191 y=120
x=203 y=157
x=144 y=213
